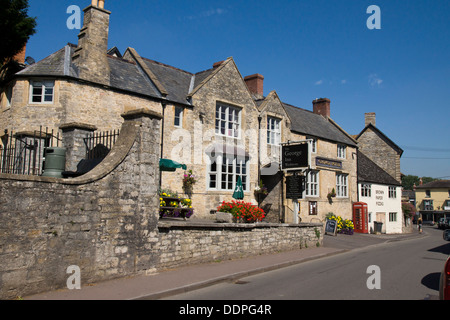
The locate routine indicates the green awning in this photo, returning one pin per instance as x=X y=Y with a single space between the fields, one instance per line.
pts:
x=170 y=165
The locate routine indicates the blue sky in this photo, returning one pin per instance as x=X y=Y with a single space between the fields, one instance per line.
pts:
x=306 y=50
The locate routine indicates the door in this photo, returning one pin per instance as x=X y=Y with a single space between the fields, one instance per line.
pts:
x=381 y=217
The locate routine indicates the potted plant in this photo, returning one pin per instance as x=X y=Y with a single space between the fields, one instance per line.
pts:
x=188 y=182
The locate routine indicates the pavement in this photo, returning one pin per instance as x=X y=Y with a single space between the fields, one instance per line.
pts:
x=159 y=285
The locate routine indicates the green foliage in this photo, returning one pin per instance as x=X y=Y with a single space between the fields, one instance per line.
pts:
x=16 y=28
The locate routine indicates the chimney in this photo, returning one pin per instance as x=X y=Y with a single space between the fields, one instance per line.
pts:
x=371 y=118
x=217 y=64
x=322 y=107
x=20 y=57
x=91 y=54
x=255 y=84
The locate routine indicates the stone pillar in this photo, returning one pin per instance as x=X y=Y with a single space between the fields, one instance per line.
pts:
x=73 y=141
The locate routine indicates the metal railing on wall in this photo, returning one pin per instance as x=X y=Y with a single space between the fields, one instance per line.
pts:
x=98 y=144
x=23 y=153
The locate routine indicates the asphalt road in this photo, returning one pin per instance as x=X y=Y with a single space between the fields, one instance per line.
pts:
x=404 y=270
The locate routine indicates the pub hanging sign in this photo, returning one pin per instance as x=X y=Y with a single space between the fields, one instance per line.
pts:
x=295 y=157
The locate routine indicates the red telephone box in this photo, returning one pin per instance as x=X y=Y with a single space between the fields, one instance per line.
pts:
x=361 y=217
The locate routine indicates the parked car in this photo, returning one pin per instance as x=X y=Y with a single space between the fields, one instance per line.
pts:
x=444 y=288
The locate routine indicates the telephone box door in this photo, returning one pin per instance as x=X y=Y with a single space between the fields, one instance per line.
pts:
x=360 y=217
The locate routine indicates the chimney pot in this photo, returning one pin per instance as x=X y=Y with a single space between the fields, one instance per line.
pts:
x=255 y=84
x=322 y=107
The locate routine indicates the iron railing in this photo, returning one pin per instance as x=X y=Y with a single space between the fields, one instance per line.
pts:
x=98 y=144
x=23 y=153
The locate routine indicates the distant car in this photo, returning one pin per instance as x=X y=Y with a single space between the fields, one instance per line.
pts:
x=444 y=288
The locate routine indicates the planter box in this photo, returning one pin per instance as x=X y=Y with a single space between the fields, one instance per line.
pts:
x=224 y=217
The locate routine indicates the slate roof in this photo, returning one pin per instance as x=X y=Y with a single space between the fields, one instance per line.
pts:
x=311 y=124
x=438 y=184
x=369 y=171
x=178 y=84
x=125 y=75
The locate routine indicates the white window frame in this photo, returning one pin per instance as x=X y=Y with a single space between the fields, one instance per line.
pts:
x=392 y=216
x=227 y=167
x=313 y=145
x=341 y=185
x=273 y=131
x=180 y=115
x=341 y=151
x=44 y=85
x=312 y=184
x=228 y=118
x=392 y=192
x=366 y=190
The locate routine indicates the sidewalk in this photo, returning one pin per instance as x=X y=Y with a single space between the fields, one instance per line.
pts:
x=156 y=286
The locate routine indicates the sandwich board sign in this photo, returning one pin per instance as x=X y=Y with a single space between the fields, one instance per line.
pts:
x=331 y=227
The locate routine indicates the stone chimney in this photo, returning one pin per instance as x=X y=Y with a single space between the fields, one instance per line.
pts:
x=255 y=84
x=322 y=107
x=371 y=118
x=91 y=54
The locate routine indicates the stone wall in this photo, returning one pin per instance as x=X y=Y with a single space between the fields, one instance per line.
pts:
x=184 y=244
x=104 y=222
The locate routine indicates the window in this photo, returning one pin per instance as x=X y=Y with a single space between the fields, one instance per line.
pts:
x=313 y=145
x=392 y=192
x=273 y=131
x=312 y=184
x=223 y=173
x=313 y=208
x=428 y=205
x=392 y=216
x=428 y=193
x=42 y=92
x=366 y=190
x=178 y=121
x=341 y=151
x=228 y=121
x=341 y=185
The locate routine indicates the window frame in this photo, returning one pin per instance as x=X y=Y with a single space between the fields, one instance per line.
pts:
x=312 y=184
x=239 y=167
x=342 y=185
x=180 y=117
x=392 y=194
x=342 y=151
x=273 y=127
x=44 y=85
x=235 y=113
x=366 y=190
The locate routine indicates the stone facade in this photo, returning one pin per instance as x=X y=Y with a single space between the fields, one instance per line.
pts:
x=379 y=148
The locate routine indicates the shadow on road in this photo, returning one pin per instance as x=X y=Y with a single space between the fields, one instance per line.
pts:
x=431 y=281
x=445 y=249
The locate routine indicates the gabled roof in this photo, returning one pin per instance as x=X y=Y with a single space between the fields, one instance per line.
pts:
x=438 y=184
x=369 y=171
x=384 y=137
x=310 y=124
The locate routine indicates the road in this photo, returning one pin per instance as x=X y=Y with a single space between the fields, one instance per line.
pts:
x=408 y=270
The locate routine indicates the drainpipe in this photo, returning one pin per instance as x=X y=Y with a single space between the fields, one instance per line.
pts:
x=259 y=156
x=163 y=104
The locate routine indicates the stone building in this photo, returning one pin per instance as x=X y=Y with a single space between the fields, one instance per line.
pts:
x=216 y=122
x=379 y=147
x=433 y=200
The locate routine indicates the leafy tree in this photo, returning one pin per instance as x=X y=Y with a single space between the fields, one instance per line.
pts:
x=409 y=181
x=16 y=28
